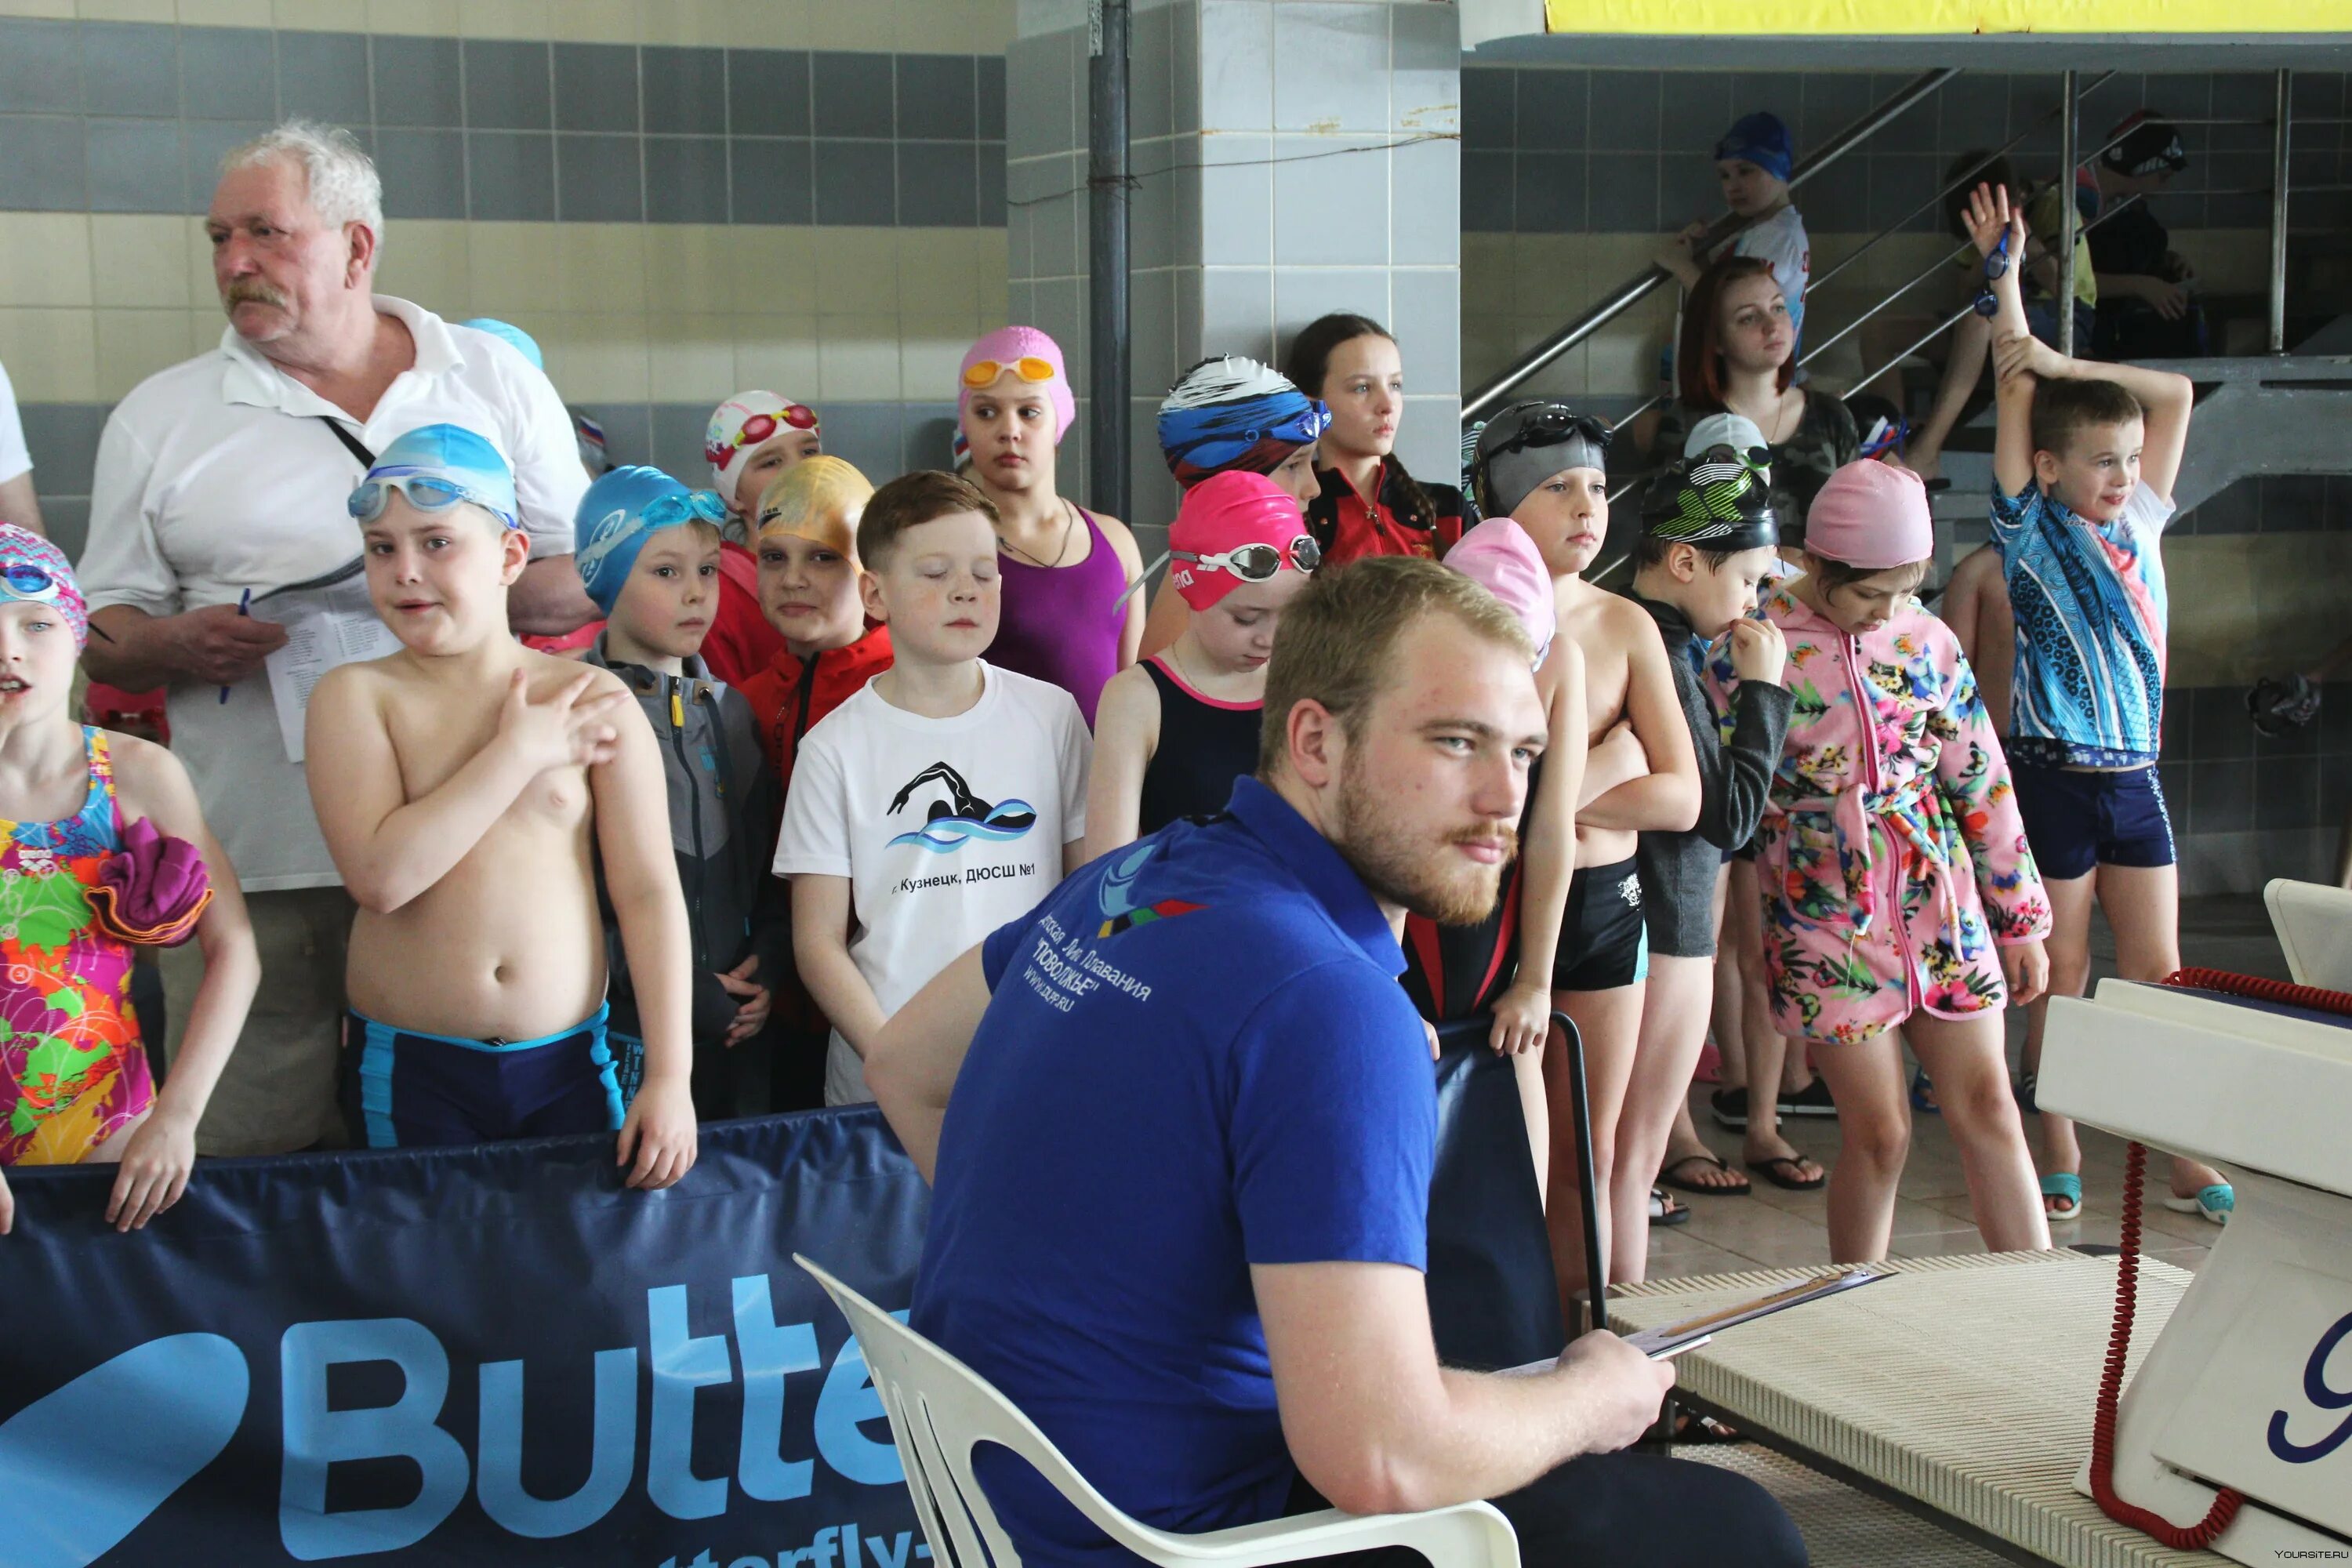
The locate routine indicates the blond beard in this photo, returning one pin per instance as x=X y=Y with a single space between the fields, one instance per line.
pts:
x=1400 y=870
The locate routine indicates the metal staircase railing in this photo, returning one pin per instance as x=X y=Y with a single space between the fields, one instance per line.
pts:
x=1490 y=396
x=1634 y=290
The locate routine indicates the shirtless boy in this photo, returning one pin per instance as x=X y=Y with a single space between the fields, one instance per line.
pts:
x=458 y=782
x=1543 y=466
x=1976 y=607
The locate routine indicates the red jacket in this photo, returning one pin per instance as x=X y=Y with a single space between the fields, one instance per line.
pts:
x=1395 y=522
x=740 y=642
x=788 y=695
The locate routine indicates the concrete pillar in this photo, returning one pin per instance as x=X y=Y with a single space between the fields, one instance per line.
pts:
x=1292 y=157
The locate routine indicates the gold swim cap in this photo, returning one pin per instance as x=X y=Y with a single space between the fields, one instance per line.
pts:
x=818 y=498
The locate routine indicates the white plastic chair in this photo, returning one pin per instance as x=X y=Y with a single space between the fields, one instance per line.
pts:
x=940 y=1410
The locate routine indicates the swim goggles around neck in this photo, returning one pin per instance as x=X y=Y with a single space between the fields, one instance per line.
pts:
x=425 y=492
x=1257 y=563
x=1028 y=367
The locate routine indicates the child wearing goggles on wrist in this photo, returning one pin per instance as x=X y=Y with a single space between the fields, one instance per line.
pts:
x=471 y=790
x=1174 y=731
x=102 y=847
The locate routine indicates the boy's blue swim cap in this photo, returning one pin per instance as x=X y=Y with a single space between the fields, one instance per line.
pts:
x=434 y=465
x=1762 y=140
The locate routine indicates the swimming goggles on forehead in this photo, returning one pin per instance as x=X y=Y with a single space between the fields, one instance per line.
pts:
x=758 y=427
x=1028 y=367
x=1257 y=563
x=1549 y=427
x=424 y=492
x=682 y=506
x=28 y=582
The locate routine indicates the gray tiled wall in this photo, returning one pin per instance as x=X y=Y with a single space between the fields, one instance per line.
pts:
x=1605 y=151
x=133 y=117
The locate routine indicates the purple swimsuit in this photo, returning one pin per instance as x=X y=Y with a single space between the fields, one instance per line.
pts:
x=1062 y=624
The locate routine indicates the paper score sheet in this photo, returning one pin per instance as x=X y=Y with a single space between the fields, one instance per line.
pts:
x=329 y=621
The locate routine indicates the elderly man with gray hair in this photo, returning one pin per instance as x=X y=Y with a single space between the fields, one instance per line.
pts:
x=226 y=477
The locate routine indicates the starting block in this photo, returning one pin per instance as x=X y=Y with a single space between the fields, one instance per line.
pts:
x=2249 y=1387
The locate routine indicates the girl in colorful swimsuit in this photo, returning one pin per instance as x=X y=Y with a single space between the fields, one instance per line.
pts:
x=102 y=847
x=1898 y=890
x=1067 y=616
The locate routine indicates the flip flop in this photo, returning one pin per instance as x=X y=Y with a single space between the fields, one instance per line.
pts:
x=1779 y=1170
x=1813 y=1099
x=1665 y=1213
x=1729 y=1108
x=2066 y=1187
x=1694 y=1430
x=2216 y=1202
x=1923 y=1095
x=1667 y=1178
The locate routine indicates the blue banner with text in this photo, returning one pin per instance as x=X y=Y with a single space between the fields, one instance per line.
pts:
x=486 y=1354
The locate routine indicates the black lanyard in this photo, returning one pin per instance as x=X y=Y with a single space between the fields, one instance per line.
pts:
x=353 y=444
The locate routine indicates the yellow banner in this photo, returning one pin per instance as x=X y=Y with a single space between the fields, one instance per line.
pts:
x=1879 y=18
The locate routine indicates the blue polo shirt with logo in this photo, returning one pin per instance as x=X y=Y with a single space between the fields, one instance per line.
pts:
x=1196 y=1057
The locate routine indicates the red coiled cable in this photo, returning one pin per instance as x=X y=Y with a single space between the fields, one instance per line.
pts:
x=2201 y=1535
x=2227 y=1501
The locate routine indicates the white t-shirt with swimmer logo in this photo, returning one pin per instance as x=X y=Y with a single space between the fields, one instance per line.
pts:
x=947 y=828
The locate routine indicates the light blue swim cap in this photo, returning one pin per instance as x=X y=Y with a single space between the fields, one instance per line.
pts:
x=523 y=342
x=455 y=461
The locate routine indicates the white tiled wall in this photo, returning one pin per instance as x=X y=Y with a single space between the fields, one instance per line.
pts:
x=1291 y=159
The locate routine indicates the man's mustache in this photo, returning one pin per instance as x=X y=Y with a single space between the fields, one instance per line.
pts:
x=1503 y=834
x=253 y=293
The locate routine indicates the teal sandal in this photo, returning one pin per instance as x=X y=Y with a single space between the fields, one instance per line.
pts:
x=2066 y=1187
x=2216 y=1202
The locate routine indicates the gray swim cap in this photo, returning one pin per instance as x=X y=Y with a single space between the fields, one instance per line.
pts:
x=1527 y=444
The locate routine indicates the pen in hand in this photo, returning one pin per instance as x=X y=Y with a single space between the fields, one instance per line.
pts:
x=244 y=608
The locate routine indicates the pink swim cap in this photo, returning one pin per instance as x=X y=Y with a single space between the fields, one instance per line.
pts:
x=1499 y=557
x=1226 y=513
x=1022 y=350
x=1871 y=516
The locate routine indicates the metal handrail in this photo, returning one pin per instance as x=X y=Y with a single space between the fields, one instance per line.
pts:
x=1948 y=186
x=1634 y=290
x=1938 y=331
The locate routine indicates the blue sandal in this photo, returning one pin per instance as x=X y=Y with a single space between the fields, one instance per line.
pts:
x=1923 y=1095
x=2216 y=1202
x=2066 y=1187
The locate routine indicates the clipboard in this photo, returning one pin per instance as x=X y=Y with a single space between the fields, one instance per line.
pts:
x=1671 y=1338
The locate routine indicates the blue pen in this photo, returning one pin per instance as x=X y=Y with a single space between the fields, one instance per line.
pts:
x=244 y=608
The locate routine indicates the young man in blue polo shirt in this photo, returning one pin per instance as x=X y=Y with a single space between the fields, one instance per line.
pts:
x=1181 y=1121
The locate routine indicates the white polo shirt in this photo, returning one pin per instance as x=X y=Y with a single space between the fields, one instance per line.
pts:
x=13 y=457
x=215 y=476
